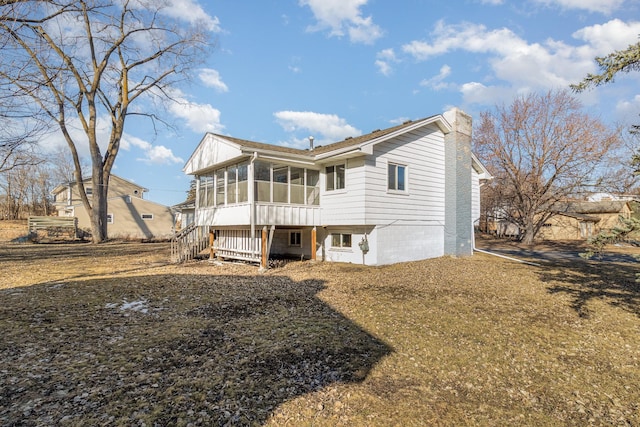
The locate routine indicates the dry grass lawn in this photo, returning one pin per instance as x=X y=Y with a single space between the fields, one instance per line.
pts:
x=114 y=335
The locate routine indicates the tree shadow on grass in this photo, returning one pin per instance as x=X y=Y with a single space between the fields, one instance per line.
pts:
x=613 y=282
x=171 y=349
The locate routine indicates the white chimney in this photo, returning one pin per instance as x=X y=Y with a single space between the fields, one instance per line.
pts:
x=311 y=142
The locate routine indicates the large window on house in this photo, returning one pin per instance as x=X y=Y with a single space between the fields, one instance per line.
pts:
x=220 y=187
x=397 y=177
x=297 y=185
x=206 y=192
x=262 y=176
x=281 y=184
x=313 y=187
x=335 y=177
x=232 y=179
x=243 y=183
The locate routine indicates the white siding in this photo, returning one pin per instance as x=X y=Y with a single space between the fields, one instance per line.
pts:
x=211 y=151
x=346 y=206
x=475 y=197
x=266 y=214
x=422 y=151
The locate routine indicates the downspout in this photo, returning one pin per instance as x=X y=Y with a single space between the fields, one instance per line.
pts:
x=252 y=201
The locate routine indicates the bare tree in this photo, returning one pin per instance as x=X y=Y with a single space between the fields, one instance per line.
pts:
x=85 y=62
x=541 y=149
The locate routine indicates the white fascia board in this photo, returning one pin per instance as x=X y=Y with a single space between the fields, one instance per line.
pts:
x=366 y=147
x=480 y=168
x=278 y=156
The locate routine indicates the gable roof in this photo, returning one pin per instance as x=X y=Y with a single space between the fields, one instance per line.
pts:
x=362 y=143
x=65 y=185
x=586 y=208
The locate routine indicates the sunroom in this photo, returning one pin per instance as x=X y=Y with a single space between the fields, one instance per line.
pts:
x=242 y=218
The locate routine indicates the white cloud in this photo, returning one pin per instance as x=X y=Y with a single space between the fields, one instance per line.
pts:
x=190 y=11
x=437 y=82
x=601 y=6
x=384 y=60
x=325 y=128
x=211 y=78
x=156 y=154
x=605 y=38
x=343 y=17
x=512 y=59
x=477 y=93
x=200 y=118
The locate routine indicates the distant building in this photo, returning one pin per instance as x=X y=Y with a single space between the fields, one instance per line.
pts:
x=129 y=215
x=577 y=220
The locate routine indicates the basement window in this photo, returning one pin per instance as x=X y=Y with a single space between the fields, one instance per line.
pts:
x=340 y=240
x=295 y=238
x=109 y=218
x=147 y=217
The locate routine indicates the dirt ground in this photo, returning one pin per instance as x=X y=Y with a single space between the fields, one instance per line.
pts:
x=114 y=334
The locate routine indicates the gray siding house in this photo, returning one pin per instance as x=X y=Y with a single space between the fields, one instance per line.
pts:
x=404 y=193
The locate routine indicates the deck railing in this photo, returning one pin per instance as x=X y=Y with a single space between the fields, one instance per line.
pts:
x=188 y=243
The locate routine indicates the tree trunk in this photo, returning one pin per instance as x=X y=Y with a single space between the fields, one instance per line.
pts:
x=98 y=207
x=529 y=233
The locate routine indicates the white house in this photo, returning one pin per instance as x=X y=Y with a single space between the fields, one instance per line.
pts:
x=404 y=193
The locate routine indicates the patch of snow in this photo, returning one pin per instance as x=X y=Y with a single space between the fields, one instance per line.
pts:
x=140 y=306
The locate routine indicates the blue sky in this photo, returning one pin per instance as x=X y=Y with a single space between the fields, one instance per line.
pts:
x=282 y=70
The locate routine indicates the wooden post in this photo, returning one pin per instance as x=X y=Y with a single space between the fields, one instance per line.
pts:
x=212 y=241
x=264 y=260
x=313 y=244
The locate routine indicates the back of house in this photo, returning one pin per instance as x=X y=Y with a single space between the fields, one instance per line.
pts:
x=403 y=193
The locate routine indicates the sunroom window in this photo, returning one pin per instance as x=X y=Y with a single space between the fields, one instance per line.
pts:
x=279 y=183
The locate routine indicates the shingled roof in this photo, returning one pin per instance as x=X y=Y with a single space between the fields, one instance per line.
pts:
x=586 y=208
x=347 y=142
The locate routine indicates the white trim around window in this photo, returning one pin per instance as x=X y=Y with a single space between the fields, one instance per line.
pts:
x=295 y=238
x=397 y=178
x=341 y=241
x=335 y=177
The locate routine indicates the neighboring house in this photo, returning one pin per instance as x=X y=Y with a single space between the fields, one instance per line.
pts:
x=601 y=197
x=581 y=220
x=405 y=193
x=185 y=213
x=129 y=215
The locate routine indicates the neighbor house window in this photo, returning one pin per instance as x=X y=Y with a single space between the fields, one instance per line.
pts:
x=339 y=240
x=109 y=218
x=397 y=177
x=147 y=216
x=295 y=238
x=88 y=191
x=335 y=177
